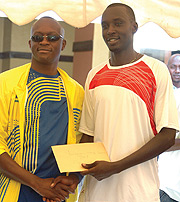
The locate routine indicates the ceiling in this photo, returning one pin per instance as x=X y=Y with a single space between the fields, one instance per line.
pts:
x=79 y=13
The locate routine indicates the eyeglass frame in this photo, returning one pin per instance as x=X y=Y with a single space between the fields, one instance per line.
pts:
x=43 y=36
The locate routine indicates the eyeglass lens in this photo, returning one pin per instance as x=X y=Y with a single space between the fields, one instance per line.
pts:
x=39 y=38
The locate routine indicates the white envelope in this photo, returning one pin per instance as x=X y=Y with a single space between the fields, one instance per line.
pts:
x=70 y=157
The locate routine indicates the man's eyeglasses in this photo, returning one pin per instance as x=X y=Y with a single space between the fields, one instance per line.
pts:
x=51 y=38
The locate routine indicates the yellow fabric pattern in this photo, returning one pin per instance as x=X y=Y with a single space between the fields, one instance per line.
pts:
x=13 y=94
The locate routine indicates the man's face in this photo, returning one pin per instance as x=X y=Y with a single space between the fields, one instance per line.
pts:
x=118 y=28
x=174 y=69
x=47 y=52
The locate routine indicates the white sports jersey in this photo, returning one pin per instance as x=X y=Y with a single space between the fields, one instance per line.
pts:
x=124 y=107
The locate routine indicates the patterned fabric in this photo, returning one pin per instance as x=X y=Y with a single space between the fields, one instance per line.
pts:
x=46 y=119
x=13 y=97
x=76 y=113
x=13 y=141
x=144 y=84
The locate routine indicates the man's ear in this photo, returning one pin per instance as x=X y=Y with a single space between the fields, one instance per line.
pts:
x=29 y=42
x=135 y=27
x=64 y=44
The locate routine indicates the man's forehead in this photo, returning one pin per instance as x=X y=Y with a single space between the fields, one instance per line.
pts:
x=46 y=21
x=48 y=24
x=176 y=58
x=115 y=19
x=115 y=13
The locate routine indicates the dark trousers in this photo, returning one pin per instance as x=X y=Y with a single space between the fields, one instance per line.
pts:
x=164 y=197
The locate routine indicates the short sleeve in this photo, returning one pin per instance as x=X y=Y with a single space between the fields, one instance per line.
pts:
x=87 y=117
x=165 y=105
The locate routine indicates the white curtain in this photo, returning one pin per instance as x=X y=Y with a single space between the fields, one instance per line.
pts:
x=79 y=13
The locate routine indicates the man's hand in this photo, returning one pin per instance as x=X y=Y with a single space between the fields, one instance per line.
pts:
x=43 y=187
x=99 y=169
x=65 y=185
x=75 y=181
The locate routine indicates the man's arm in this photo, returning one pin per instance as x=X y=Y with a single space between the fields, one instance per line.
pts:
x=42 y=186
x=158 y=144
x=86 y=138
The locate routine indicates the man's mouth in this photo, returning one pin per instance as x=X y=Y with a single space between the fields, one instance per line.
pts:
x=43 y=50
x=112 y=40
x=176 y=76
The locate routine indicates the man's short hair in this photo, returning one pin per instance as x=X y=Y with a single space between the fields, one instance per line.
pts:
x=128 y=8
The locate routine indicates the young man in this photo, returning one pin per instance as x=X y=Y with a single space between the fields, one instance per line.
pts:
x=169 y=166
x=129 y=106
x=40 y=106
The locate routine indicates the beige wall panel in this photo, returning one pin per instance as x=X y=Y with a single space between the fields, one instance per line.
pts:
x=5 y=64
x=0 y=65
x=15 y=62
x=69 y=36
x=7 y=35
x=20 y=37
x=67 y=67
x=100 y=50
x=1 y=33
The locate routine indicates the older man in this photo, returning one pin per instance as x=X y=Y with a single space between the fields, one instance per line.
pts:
x=40 y=106
x=169 y=166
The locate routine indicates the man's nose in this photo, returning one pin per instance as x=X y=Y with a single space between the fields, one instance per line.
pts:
x=111 y=29
x=45 y=40
x=178 y=69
